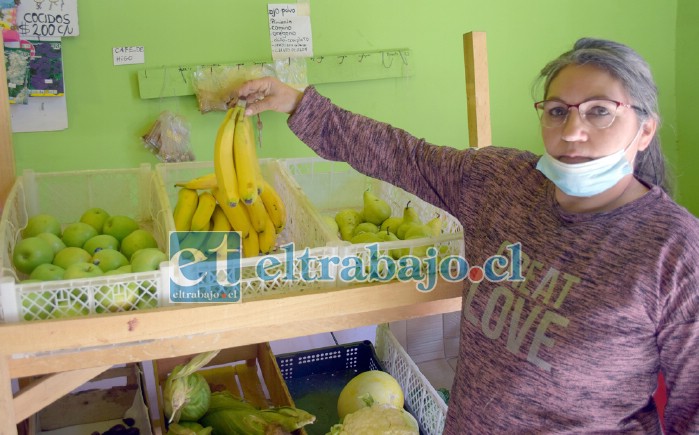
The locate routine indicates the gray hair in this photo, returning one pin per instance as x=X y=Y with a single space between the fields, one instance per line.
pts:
x=627 y=66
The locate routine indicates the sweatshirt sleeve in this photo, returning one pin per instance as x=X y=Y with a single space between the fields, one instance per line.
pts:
x=381 y=151
x=678 y=340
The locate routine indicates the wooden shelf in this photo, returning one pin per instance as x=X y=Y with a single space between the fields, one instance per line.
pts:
x=74 y=350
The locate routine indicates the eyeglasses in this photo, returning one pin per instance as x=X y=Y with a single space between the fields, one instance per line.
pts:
x=595 y=113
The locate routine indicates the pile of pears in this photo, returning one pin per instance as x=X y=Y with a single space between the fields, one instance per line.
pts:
x=374 y=224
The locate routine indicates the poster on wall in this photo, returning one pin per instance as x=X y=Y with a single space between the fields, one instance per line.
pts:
x=47 y=18
x=290 y=30
x=35 y=72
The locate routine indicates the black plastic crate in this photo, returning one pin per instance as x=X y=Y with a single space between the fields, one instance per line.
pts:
x=316 y=377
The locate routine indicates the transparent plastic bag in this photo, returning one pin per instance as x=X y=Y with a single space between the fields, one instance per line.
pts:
x=168 y=138
x=216 y=86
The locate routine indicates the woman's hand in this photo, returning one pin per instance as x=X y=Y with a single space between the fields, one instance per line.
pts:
x=268 y=93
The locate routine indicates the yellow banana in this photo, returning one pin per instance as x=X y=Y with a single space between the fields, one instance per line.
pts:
x=267 y=238
x=187 y=200
x=276 y=210
x=258 y=215
x=205 y=209
x=237 y=216
x=245 y=156
x=224 y=168
x=207 y=181
x=251 y=245
x=219 y=220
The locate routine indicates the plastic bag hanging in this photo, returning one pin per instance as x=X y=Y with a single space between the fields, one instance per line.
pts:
x=168 y=138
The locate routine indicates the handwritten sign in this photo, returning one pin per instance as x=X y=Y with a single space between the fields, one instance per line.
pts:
x=128 y=55
x=290 y=30
x=47 y=18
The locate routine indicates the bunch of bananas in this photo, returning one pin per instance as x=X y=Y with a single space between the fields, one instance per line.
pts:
x=235 y=196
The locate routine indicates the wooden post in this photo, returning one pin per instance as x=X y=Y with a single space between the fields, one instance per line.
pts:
x=7 y=156
x=7 y=407
x=477 y=89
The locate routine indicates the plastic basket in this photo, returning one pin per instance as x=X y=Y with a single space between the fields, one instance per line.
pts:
x=420 y=396
x=66 y=195
x=333 y=186
x=316 y=377
x=302 y=228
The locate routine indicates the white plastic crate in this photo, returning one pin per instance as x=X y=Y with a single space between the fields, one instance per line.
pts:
x=333 y=186
x=66 y=195
x=425 y=403
x=302 y=228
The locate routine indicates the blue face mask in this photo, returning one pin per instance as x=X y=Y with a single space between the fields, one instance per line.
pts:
x=588 y=178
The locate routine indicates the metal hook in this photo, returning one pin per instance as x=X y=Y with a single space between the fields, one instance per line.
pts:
x=362 y=56
x=145 y=72
x=320 y=59
x=182 y=69
x=383 y=59
x=405 y=61
x=342 y=59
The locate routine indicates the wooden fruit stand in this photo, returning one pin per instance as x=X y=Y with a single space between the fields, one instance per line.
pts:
x=70 y=352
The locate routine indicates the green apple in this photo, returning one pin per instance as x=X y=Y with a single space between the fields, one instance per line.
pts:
x=101 y=241
x=138 y=239
x=55 y=241
x=77 y=233
x=120 y=297
x=37 y=305
x=96 y=217
x=41 y=223
x=47 y=272
x=82 y=270
x=147 y=259
x=70 y=255
x=31 y=252
x=119 y=226
x=71 y=307
x=109 y=259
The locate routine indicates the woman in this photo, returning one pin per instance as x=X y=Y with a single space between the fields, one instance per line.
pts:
x=610 y=294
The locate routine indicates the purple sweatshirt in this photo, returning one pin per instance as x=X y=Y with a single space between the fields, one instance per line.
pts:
x=607 y=300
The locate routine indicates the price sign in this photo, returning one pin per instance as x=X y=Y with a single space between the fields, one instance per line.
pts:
x=47 y=18
x=290 y=30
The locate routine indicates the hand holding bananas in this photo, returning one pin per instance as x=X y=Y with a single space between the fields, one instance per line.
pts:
x=268 y=93
x=235 y=191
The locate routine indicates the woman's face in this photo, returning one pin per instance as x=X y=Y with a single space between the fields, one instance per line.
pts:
x=576 y=141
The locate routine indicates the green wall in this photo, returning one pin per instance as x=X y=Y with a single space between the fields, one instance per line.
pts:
x=687 y=97
x=106 y=116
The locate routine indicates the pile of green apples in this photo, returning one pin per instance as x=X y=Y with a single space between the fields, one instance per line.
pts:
x=374 y=224
x=98 y=244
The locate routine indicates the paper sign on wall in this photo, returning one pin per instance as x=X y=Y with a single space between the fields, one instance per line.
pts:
x=128 y=55
x=290 y=30
x=47 y=18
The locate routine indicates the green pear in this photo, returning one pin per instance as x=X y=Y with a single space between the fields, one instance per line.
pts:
x=391 y=224
x=366 y=238
x=346 y=220
x=376 y=210
x=387 y=236
x=365 y=227
x=410 y=219
x=435 y=225
x=419 y=232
